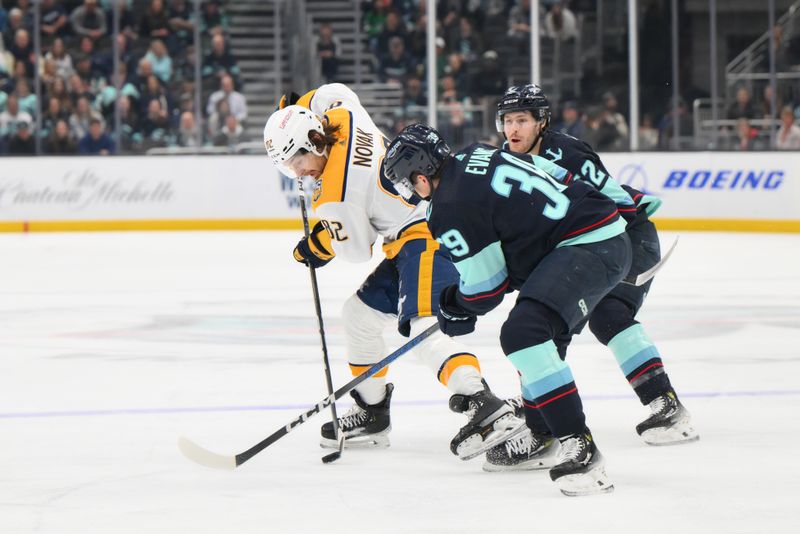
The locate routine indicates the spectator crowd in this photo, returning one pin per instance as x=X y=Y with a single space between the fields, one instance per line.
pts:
x=153 y=87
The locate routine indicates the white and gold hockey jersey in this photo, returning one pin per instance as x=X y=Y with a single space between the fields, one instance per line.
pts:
x=352 y=196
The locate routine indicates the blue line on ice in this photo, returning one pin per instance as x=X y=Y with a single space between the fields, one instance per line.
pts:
x=277 y=407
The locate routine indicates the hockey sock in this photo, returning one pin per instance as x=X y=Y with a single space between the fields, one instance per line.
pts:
x=641 y=363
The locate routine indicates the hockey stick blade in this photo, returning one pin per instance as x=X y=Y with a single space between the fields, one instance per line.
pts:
x=206 y=458
x=642 y=278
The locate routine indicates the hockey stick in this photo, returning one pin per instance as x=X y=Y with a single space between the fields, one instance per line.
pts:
x=204 y=457
x=642 y=278
x=337 y=433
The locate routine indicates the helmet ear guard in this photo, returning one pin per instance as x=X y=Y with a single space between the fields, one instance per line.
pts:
x=418 y=149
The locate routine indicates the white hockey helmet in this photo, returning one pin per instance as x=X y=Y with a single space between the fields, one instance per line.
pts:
x=286 y=132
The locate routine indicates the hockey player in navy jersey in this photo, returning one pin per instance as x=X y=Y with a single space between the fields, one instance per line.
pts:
x=523 y=117
x=508 y=226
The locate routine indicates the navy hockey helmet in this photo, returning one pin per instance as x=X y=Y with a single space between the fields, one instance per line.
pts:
x=528 y=97
x=418 y=149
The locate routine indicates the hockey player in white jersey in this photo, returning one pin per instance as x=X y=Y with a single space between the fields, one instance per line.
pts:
x=326 y=134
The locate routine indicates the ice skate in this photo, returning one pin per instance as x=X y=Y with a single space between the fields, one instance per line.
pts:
x=518 y=405
x=580 y=469
x=669 y=423
x=491 y=421
x=526 y=451
x=364 y=425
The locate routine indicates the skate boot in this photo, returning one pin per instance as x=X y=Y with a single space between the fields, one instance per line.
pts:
x=491 y=422
x=364 y=425
x=580 y=469
x=669 y=423
x=526 y=451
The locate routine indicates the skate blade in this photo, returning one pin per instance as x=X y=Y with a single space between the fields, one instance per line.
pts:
x=545 y=460
x=592 y=483
x=372 y=441
x=675 y=435
x=505 y=428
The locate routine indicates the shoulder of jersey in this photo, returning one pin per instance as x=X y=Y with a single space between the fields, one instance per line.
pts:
x=333 y=182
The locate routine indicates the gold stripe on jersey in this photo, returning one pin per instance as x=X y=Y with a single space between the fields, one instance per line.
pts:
x=454 y=362
x=333 y=182
x=306 y=99
x=358 y=369
x=425 y=279
x=415 y=231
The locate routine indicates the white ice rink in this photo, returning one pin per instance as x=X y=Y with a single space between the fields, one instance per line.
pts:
x=113 y=345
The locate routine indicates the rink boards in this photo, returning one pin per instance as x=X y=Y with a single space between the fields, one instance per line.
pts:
x=757 y=191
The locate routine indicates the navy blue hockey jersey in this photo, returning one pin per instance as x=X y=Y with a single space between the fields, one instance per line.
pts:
x=498 y=214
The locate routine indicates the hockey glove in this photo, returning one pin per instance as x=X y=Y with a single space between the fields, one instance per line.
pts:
x=288 y=99
x=453 y=319
x=315 y=251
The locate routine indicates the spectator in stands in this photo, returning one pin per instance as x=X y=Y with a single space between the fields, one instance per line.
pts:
x=96 y=142
x=187 y=131
x=492 y=79
x=63 y=60
x=236 y=100
x=216 y=120
x=54 y=20
x=12 y=117
x=455 y=114
x=181 y=24
x=60 y=141
x=219 y=61
x=599 y=133
x=231 y=133
x=392 y=28
x=746 y=138
x=467 y=43
x=89 y=20
x=22 y=142
x=457 y=68
x=418 y=38
x=22 y=51
x=666 y=127
x=788 y=137
x=397 y=64
x=413 y=96
x=571 y=122
x=153 y=90
x=765 y=104
x=51 y=116
x=155 y=125
x=77 y=88
x=82 y=117
x=59 y=90
x=25 y=99
x=128 y=25
x=373 y=18
x=328 y=47
x=130 y=135
x=27 y=13
x=648 y=135
x=613 y=116
x=159 y=59
x=215 y=22
x=560 y=23
x=48 y=72
x=155 y=22
x=519 y=25
x=743 y=107
x=15 y=22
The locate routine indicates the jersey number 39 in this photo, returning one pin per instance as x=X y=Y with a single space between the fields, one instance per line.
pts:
x=530 y=178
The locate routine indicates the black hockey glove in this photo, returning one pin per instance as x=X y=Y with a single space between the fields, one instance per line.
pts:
x=453 y=319
x=316 y=251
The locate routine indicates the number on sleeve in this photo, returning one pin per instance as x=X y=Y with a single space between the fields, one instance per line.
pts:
x=455 y=243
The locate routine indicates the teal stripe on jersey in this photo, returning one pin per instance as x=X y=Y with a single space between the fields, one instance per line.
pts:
x=614 y=191
x=541 y=368
x=484 y=271
x=650 y=203
x=632 y=347
x=556 y=171
x=600 y=234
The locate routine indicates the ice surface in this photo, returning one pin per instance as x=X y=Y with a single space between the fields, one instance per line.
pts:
x=113 y=345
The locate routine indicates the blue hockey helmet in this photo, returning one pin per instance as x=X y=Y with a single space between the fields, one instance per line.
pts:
x=528 y=97
x=418 y=149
